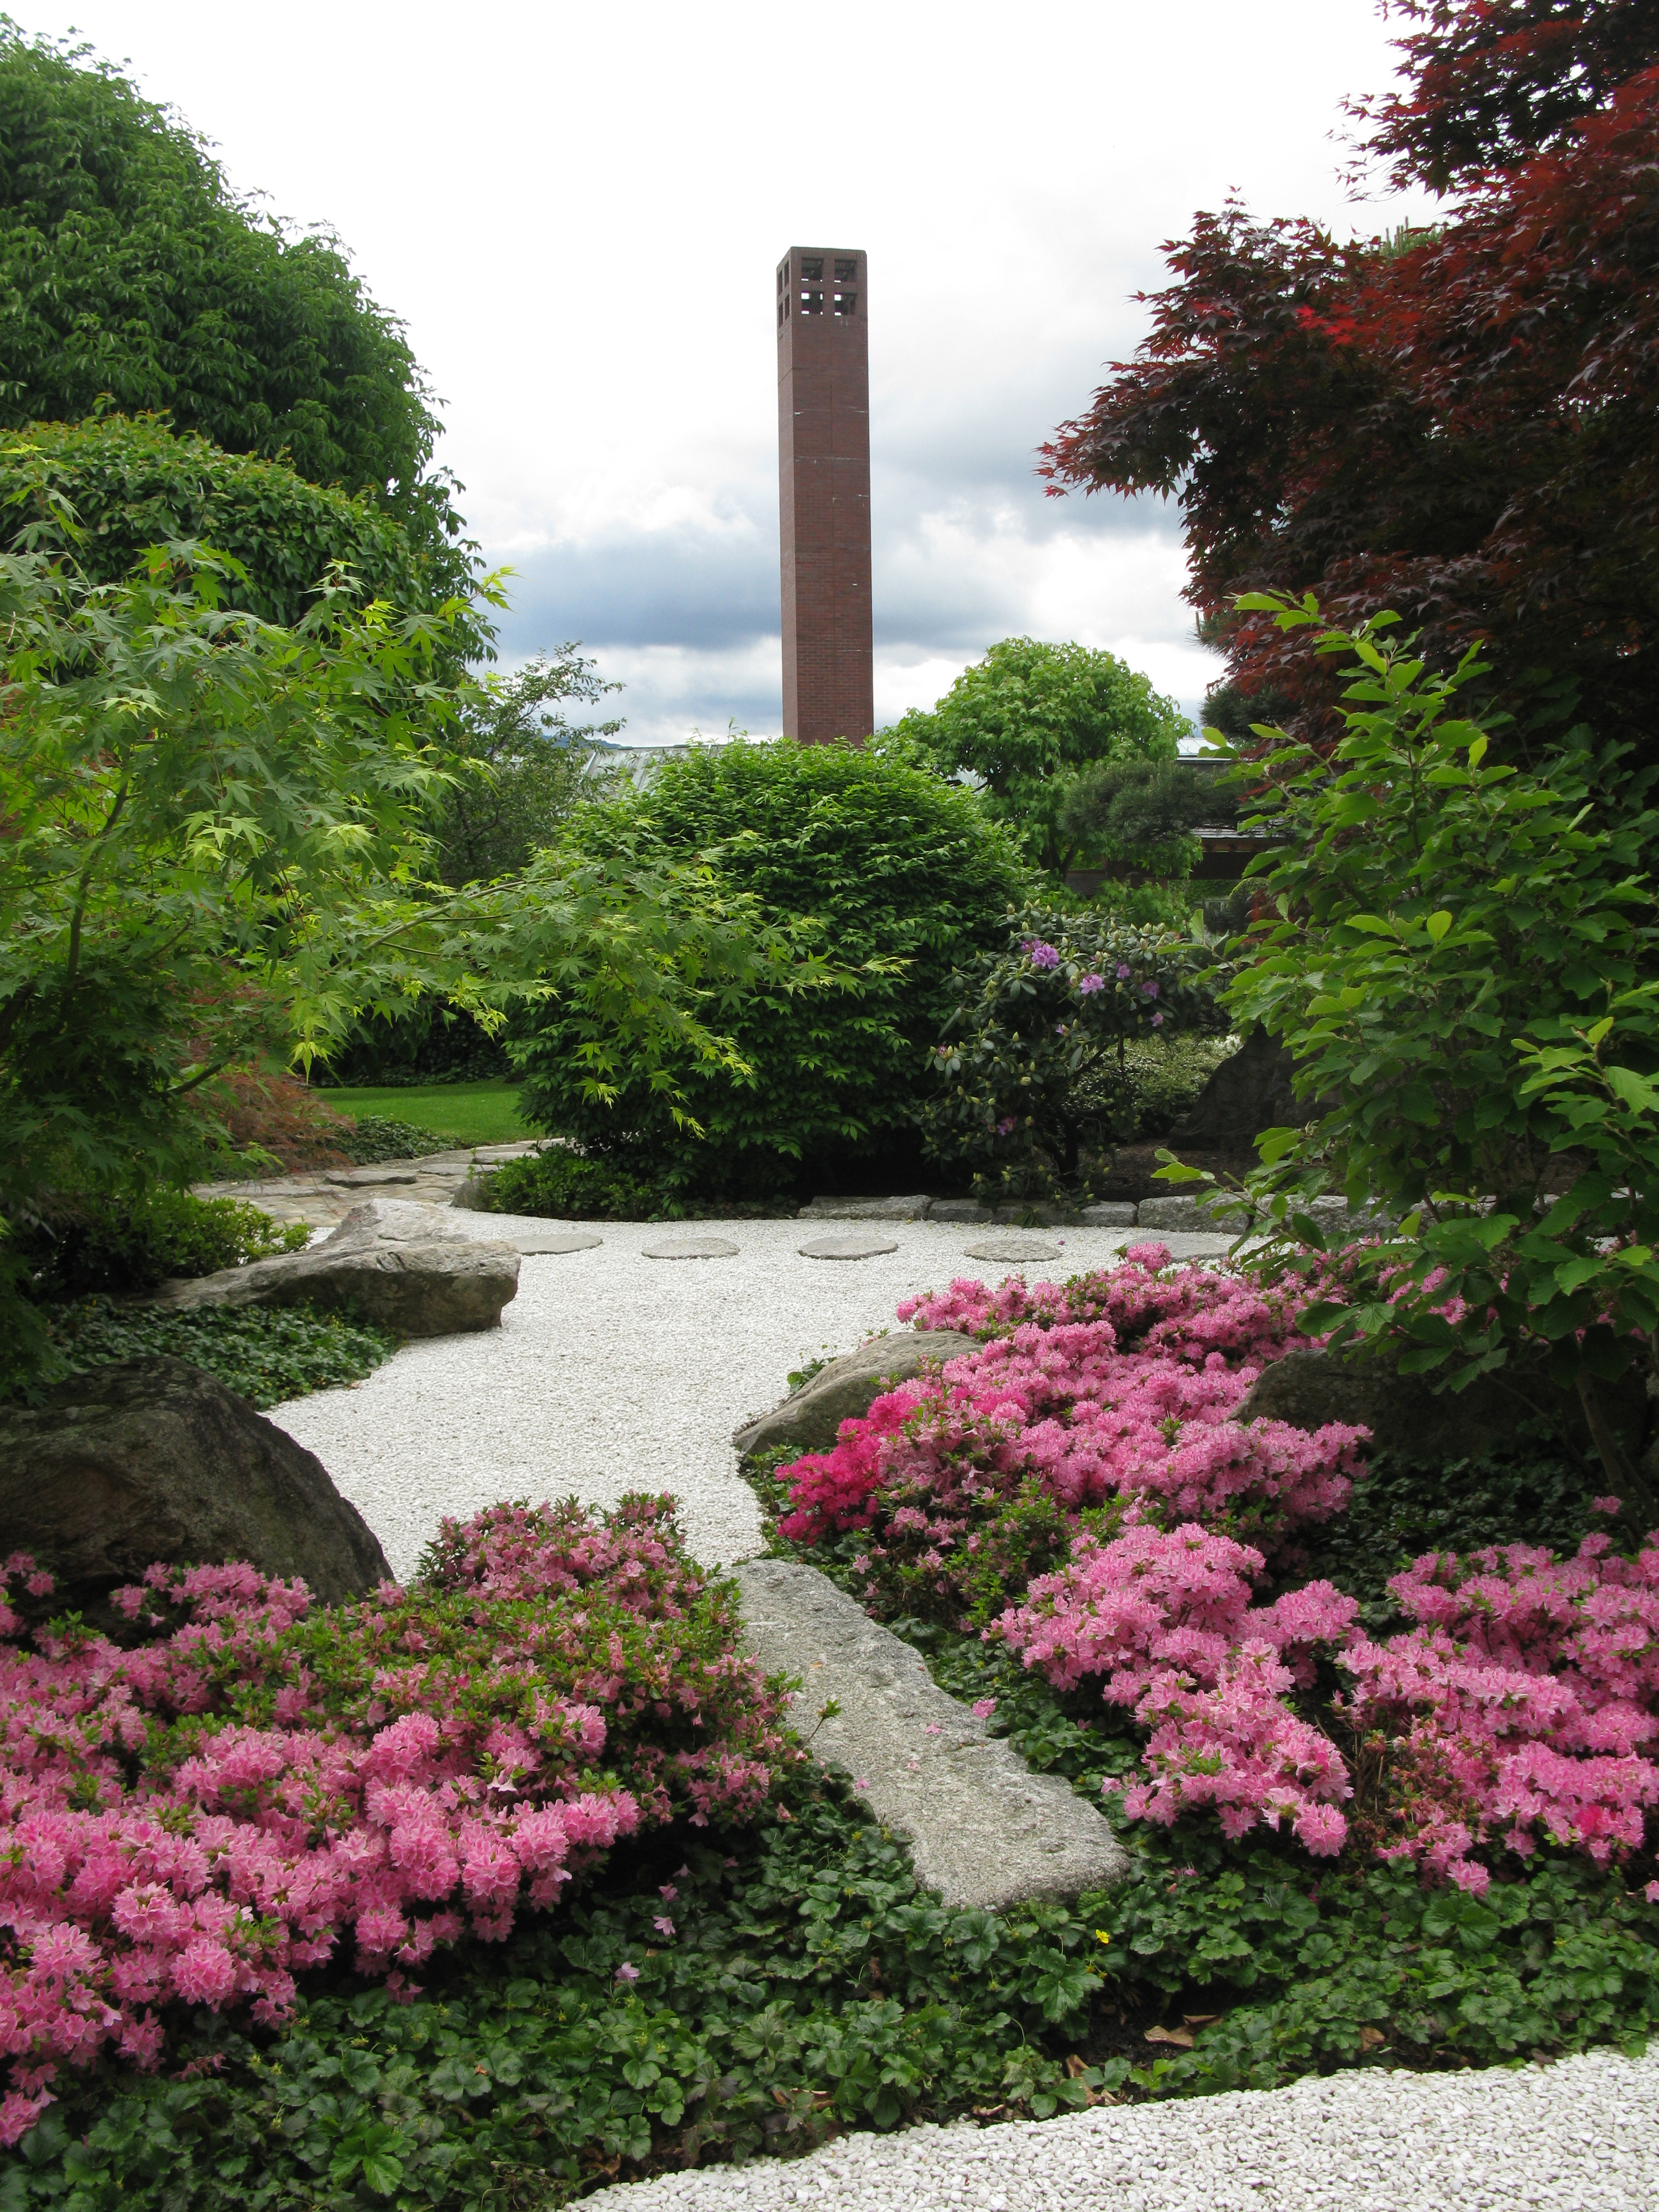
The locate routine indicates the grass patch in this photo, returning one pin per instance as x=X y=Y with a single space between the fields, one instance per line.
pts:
x=266 y=1354
x=461 y=1112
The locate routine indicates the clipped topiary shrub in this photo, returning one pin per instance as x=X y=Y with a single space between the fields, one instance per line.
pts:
x=894 y=866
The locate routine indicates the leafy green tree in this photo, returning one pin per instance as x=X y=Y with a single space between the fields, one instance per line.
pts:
x=890 y=873
x=132 y=276
x=1462 y=956
x=213 y=829
x=110 y=487
x=1023 y=721
x=529 y=767
x=1143 y=812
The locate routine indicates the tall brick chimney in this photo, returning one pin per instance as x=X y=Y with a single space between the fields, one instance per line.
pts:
x=823 y=487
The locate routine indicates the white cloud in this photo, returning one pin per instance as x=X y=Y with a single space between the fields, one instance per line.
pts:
x=578 y=211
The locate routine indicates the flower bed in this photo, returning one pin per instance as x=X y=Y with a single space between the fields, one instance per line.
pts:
x=1079 y=1490
x=192 y=1820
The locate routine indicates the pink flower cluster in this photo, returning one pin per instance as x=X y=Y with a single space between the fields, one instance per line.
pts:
x=192 y=1820
x=1521 y=1703
x=1097 y=1424
x=1054 y=1397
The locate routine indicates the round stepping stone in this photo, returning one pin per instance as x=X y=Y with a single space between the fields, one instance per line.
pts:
x=1014 y=1248
x=554 y=1240
x=693 y=1248
x=846 y=1248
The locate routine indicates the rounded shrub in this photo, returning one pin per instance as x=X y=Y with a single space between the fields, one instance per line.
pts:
x=902 y=877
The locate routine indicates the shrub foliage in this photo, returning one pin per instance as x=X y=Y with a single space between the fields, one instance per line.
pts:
x=892 y=874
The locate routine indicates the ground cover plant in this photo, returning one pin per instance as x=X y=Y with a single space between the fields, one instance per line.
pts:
x=1456 y=1752
x=265 y=1354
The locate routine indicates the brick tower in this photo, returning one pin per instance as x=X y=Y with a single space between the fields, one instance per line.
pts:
x=823 y=487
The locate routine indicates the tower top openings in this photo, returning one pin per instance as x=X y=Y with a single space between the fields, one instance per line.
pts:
x=824 y=487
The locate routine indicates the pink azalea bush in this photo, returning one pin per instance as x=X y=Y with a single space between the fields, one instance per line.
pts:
x=1087 y=1464
x=1116 y=1392
x=194 y=1820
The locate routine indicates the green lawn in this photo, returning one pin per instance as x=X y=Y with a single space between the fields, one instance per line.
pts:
x=467 y=1113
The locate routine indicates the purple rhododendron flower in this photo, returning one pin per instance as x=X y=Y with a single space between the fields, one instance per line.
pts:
x=1151 y=989
x=1122 y=971
x=1088 y=984
x=1044 y=956
x=1006 y=1126
x=1157 y=1021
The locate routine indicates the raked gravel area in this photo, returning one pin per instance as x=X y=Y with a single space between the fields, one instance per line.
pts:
x=611 y=1372
x=1579 y=2136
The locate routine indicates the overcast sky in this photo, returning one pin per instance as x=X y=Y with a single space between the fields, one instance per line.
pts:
x=578 y=211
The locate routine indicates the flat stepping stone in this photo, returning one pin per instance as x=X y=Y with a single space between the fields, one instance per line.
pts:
x=543 y=1240
x=983 y=1830
x=692 y=1247
x=1004 y=1249
x=846 y=1248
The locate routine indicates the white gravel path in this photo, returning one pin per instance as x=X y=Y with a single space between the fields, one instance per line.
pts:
x=1580 y=2136
x=611 y=1372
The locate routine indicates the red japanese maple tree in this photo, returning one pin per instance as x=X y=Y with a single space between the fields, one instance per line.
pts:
x=1462 y=422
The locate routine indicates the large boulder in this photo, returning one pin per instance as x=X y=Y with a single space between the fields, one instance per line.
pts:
x=1406 y=1414
x=847 y=1388
x=1248 y=1092
x=154 y=1459
x=415 y=1269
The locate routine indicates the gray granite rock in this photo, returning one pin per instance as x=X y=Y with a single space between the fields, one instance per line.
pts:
x=960 y=1209
x=868 y=1209
x=152 y=1459
x=846 y=1247
x=1009 y=1251
x=473 y=1195
x=811 y=1420
x=1108 y=1213
x=692 y=1247
x=983 y=1830
x=411 y=1269
x=1193 y=1215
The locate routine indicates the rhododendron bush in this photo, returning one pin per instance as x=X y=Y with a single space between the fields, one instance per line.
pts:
x=1081 y=1490
x=259 y=1784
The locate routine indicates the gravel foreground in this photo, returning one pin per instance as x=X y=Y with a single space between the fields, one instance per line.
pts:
x=611 y=1372
x=1581 y=2137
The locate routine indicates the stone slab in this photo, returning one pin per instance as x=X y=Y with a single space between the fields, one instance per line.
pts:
x=846 y=1247
x=1009 y=1251
x=983 y=1829
x=362 y=1178
x=1192 y=1214
x=692 y=1247
x=961 y=1209
x=868 y=1209
x=1108 y=1214
x=537 y=1237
